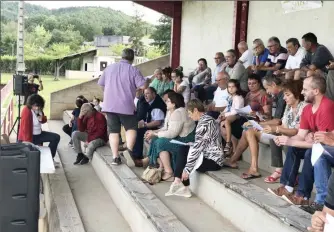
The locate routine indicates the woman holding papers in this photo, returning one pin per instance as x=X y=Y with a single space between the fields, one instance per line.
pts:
x=177 y=126
x=206 y=154
x=235 y=101
x=290 y=125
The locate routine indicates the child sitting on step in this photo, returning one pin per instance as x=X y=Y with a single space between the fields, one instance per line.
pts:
x=229 y=115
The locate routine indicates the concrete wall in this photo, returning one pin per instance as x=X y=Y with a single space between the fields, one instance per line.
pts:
x=266 y=19
x=206 y=29
x=148 y=67
x=90 y=61
x=73 y=74
x=65 y=98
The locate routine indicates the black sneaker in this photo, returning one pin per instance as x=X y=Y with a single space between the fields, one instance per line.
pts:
x=116 y=161
x=79 y=158
x=85 y=160
x=312 y=208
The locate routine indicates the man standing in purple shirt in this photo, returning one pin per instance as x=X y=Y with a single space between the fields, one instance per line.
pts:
x=119 y=82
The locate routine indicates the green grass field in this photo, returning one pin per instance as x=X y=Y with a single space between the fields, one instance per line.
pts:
x=49 y=86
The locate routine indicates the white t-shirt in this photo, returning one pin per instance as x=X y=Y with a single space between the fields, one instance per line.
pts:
x=220 y=97
x=186 y=92
x=247 y=58
x=293 y=62
x=37 y=127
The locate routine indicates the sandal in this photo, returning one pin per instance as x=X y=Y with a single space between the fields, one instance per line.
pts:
x=228 y=149
x=247 y=176
x=169 y=178
x=271 y=179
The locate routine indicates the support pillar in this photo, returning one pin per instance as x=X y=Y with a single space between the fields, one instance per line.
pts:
x=240 y=22
x=176 y=35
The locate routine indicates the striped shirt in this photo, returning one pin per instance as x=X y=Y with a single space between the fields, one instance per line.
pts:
x=207 y=142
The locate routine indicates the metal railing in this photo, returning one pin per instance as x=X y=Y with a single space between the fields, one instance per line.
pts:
x=7 y=111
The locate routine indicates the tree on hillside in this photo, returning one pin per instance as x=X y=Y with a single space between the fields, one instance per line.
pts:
x=117 y=49
x=162 y=34
x=108 y=31
x=40 y=37
x=136 y=31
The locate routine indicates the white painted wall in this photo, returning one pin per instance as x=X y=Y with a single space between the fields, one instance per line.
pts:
x=98 y=59
x=206 y=29
x=266 y=19
x=90 y=61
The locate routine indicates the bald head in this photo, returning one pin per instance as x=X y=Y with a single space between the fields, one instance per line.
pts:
x=243 y=45
x=222 y=79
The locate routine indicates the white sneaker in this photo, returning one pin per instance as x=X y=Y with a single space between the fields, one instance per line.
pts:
x=183 y=192
x=173 y=188
x=178 y=190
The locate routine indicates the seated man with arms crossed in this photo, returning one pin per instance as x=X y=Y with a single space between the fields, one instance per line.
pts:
x=277 y=57
x=92 y=129
x=296 y=54
x=316 y=58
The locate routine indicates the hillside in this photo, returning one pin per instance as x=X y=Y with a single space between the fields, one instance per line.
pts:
x=89 y=21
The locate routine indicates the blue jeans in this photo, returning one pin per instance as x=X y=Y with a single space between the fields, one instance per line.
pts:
x=322 y=172
x=291 y=166
x=47 y=137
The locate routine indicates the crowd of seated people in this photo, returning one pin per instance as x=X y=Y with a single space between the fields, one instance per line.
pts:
x=272 y=81
x=286 y=95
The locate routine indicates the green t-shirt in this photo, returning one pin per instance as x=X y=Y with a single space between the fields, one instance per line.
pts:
x=161 y=86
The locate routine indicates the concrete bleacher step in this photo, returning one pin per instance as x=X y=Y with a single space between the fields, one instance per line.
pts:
x=147 y=205
x=243 y=205
x=96 y=209
x=193 y=212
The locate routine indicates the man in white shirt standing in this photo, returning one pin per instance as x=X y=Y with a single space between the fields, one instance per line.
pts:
x=296 y=54
x=246 y=54
x=220 y=96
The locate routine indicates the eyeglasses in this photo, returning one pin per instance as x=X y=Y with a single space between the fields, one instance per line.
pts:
x=252 y=83
x=217 y=58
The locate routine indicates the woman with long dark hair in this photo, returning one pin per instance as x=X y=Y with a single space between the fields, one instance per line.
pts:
x=32 y=118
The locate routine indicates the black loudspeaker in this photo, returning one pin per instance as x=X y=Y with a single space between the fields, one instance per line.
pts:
x=20 y=85
x=19 y=188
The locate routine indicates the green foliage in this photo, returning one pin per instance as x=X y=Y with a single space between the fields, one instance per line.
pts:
x=162 y=34
x=43 y=64
x=117 y=49
x=136 y=31
x=153 y=53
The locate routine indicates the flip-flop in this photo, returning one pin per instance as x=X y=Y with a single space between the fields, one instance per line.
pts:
x=247 y=176
x=228 y=166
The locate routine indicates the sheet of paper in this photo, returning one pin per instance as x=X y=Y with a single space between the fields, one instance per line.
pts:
x=268 y=136
x=260 y=116
x=329 y=227
x=244 y=110
x=256 y=125
x=317 y=150
x=46 y=165
x=178 y=142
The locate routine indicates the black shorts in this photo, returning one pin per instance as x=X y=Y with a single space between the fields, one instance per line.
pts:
x=236 y=127
x=115 y=121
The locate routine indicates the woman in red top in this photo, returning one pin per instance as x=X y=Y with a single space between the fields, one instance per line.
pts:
x=32 y=118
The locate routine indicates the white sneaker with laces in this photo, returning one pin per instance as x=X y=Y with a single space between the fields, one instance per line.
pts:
x=183 y=192
x=173 y=188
